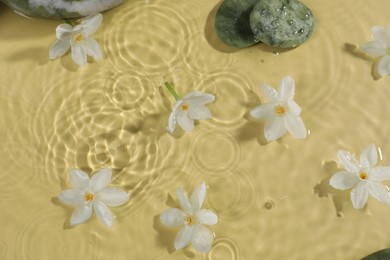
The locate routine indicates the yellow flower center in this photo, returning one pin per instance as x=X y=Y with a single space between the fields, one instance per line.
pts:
x=189 y=220
x=363 y=175
x=78 y=38
x=89 y=197
x=185 y=107
x=280 y=110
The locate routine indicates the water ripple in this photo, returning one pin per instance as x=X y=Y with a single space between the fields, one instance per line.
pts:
x=224 y=248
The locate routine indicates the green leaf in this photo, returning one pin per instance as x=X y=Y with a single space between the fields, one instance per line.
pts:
x=380 y=255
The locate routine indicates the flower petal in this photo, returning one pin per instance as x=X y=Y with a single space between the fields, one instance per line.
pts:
x=199 y=112
x=197 y=197
x=380 y=173
x=103 y=213
x=172 y=217
x=271 y=93
x=374 y=49
x=112 y=196
x=294 y=108
x=287 y=88
x=348 y=161
x=343 y=180
x=64 y=31
x=58 y=49
x=202 y=239
x=100 y=179
x=185 y=121
x=359 y=195
x=172 y=122
x=184 y=237
x=93 y=49
x=274 y=128
x=378 y=191
x=79 y=54
x=369 y=157
x=384 y=66
x=264 y=111
x=380 y=34
x=71 y=196
x=78 y=179
x=206 y=217
x=183 y=199
x=295 y=126
x=81 y=214
x=91 y=23
x=198 y=98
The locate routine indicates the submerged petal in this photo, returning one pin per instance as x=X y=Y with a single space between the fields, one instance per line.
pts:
x=378 y=191
x=198 y=98
x=172 y=218
x=270 y=93
x=374 y=49
x=343 y=180
x=274 y=128
x=263 y=111
x=185 y=122
x=103 y=213
x=206 y=217
x=384 y=66
x=287 y=88
x=348 y=161
x=359 y=195
x=71 y=196
x=100 y=179
x=199 y=112
x=198 y=196
x=369 y=157
x=183 y=199
x=91 y=23
x=112 y=196
x=93 y=49
x=172 y=122
x=184 y=237
x=78 y=179
x=202 y=239
x=380 y=173
x=79 y=54
x=81 y=214
x=295 y=126
x=58 y=49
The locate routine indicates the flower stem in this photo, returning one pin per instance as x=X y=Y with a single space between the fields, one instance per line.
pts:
x=68 y=21
x=173 y=92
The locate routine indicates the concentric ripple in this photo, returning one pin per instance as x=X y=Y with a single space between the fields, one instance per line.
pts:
x=224 y=248
x=139 y=32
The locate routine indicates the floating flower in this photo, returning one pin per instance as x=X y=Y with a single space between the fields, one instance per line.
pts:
x=78 y=39
x=379 y=47
x=187 y=109
x=282 y=113
x=362 y=176
x=192 y=219
x=93 y=193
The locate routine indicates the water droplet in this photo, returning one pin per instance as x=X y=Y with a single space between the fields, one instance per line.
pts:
x=301 y=31
x=275 y=52
x=265 y=12
x=290 y=22
x=275 y=23
x=268 y=205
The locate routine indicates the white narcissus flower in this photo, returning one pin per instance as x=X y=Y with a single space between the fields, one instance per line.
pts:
x=187 y=109
x=362 y=176
x=78 y=40
x=87 y=194
x=379 y=48
x=192 y=219
x=282 y=113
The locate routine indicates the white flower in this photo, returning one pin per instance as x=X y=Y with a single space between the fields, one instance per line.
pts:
x=379 y=48
x=78 y=39
x=92 y=193
x=282 y=113
x=189 y=108
x=362 y=176
x=193 y=219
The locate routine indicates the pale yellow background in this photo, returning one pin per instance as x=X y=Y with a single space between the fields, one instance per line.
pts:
x=55 y=116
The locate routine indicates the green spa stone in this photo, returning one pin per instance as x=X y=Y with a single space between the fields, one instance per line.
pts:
x=232 y=23
x=380 y=255
x=60 y=8
x=281 y=23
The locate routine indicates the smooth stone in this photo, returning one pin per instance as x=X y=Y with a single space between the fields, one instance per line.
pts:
x=60 y=8
x=380 y=255
x=232 y=23
x=281 y=23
